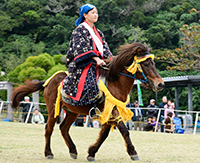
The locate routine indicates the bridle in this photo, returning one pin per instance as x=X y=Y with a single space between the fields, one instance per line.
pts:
x=135 y=66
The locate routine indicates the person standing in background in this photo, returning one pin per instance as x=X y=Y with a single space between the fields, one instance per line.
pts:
x=138 y=116
x=26 y=104
x=161 y=105
x=129 y=124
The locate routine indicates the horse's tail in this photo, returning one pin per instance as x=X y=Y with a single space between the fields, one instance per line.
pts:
x=23 y=90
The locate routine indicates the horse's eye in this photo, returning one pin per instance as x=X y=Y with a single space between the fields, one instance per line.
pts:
x=145 y=64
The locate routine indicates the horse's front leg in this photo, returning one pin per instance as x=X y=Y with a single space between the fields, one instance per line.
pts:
x=102 y=136
x=130 y=148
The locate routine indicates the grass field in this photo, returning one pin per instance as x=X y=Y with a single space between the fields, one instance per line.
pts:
x=24 y=143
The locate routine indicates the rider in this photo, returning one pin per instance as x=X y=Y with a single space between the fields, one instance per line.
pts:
x=86 y=52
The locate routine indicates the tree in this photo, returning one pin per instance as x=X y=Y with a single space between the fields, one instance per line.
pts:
x=44 y=61
x=133 y=34
x=138 y=18
x=153 y=5
x=160 y=34
x=37 y=67
x=19 y=47
x=56 y=68
x=7 y=23
x=189 y=18
x=187 y=57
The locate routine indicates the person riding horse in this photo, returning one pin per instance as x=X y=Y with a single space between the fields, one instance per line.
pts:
x=86 y=52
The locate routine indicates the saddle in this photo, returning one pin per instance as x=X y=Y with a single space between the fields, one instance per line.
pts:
x=101 y=96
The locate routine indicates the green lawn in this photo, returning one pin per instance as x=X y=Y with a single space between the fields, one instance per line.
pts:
x=24 y=143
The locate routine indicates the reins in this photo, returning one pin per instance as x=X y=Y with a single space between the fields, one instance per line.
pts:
x=134 y=77
x=134 y=67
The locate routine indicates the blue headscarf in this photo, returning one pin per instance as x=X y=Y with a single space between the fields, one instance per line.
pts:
x=83 y=9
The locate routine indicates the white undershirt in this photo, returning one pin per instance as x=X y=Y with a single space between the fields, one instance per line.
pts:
x=96 y=39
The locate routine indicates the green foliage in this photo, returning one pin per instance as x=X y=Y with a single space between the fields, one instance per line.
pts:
x=3 y=95
x=167 y=16
x=32 y=27
x=35 y=67
x=18 y=47
x=16 y=7
x=167 y=73
x=56 y=68
x=186 y=57
x=13 y=76
x=31 y=16
x=7 y=24
x=133 y=34
x=138 y=18
x=45 y=61
x=58 y=58
x=160 y=34
x=31 y=73
x=10 y=62
x=188 y=18
x=178 y=10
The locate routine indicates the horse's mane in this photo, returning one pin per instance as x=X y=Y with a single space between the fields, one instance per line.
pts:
x=124 y=59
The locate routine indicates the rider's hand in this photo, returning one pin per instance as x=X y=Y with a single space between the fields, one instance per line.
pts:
x=99 y=61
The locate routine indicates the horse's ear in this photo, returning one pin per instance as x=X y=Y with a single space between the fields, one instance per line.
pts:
x=138 y=51
x=150 y=50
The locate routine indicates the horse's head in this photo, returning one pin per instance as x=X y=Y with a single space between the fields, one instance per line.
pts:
x=148 y=72
x=136 y=59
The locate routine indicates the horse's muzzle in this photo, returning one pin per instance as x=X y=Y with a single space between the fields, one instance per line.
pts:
x=161 y=86
x=156 y=86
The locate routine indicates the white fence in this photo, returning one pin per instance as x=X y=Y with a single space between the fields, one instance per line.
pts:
x=187 y=117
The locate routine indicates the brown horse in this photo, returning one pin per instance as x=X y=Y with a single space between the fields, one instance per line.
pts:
x=119 y=86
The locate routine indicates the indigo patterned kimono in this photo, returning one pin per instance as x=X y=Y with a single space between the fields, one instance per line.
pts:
x=81 y=83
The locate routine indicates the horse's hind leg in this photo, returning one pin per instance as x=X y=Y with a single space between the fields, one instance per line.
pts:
x=130 y=148
x=102 y=136
x=64 y=127
x=48 y=132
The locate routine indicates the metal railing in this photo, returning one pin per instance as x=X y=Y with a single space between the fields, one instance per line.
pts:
x=158 y=115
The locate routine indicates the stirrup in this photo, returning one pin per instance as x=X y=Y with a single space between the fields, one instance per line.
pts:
x=94 y=109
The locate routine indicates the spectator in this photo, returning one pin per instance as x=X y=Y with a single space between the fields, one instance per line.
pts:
x=161 y=105
x=138 y=116
x=154 y=122
x=37 y=117
x=169 y=107
x=26 y=104
x=129 y=124
x=90 y=122
x=96 y=124
x=152 y=112
x=148 y=125
x=169 y=127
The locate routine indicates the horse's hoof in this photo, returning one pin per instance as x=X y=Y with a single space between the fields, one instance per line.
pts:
x=73 y=155
x=90 y=158
x=49 y=157
x=134 y=157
